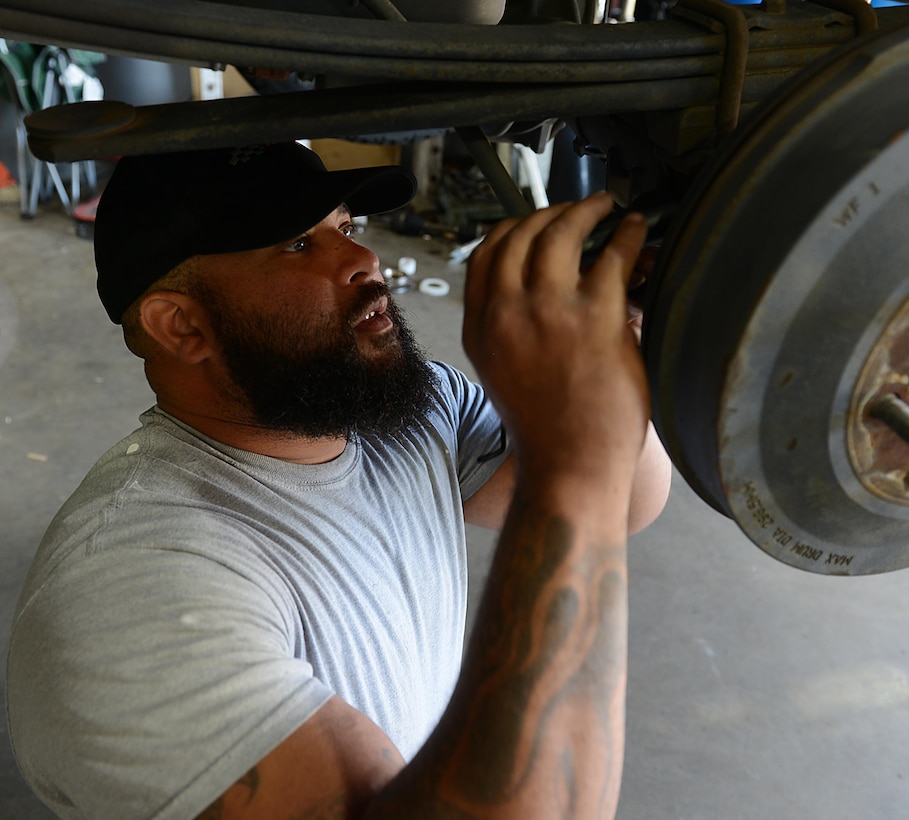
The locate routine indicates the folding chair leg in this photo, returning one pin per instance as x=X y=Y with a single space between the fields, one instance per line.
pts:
x=22 y=157
x=58 y=184
x=86 y=167
x=35 y=187
x=91 y=174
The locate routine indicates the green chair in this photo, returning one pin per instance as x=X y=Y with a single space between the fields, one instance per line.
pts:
x=38 y=77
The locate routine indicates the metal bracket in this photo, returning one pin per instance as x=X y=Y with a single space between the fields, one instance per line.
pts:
x=732 y=81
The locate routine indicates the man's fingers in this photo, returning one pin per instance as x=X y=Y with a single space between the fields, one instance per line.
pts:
x=500 y=262
x=544 y=250
x=479 y=266
x=618 y=258
x=516 y=251
x=557 y=252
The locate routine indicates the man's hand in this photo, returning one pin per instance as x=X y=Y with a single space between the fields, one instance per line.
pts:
x=552 y=346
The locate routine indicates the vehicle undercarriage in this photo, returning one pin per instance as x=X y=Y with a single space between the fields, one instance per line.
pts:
x=777 y=322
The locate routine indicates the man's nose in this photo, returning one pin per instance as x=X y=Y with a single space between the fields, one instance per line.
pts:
x=357 y=264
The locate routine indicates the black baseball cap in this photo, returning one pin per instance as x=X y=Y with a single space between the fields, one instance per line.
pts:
x=158 y=210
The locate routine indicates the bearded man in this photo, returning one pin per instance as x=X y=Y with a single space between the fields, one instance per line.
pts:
x=253 y=605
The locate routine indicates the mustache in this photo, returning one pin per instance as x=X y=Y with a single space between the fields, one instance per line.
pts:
x=367 y=296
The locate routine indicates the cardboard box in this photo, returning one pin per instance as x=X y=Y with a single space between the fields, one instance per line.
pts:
x=339 y=155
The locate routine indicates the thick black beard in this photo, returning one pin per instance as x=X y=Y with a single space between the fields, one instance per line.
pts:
x=311 y=378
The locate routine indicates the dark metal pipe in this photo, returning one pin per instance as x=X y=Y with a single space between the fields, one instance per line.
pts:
x=96 y=130
x=285 y=31
x=282 y=34
x=185 y=49
x=487 y=160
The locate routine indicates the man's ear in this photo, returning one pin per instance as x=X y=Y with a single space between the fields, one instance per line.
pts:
x=178 y=323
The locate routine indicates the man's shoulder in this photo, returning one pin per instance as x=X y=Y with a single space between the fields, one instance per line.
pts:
x=154 y=456
x=457 y=392
x=143 y=484
x=449 y=378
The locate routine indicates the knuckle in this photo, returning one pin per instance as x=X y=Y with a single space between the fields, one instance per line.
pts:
x=556 y=230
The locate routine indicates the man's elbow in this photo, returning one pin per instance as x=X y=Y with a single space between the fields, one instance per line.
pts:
x=651 y=484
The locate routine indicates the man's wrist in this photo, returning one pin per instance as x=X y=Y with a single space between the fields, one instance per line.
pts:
x=597 y=500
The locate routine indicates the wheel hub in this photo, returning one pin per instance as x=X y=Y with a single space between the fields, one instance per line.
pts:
x=777 y=329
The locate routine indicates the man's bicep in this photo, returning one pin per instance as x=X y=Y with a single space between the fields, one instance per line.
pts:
x=330 y=767
x=488 y=506
x=151 y=667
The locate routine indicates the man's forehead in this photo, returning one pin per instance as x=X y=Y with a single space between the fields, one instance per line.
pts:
x=341 y=212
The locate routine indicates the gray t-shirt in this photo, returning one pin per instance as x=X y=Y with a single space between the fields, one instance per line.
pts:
x=193 y=604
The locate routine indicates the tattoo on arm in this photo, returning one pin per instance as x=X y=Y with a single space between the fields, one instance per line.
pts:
x=538 y=715
x=251 y=781
x=549 y=659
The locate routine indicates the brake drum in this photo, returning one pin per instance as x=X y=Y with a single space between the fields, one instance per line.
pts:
x=777 y=326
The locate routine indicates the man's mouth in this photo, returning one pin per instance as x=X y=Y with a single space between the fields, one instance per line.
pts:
x=374 y=318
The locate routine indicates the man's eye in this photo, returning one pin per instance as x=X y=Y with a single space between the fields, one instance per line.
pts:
x=349 y=229
x=297 y=245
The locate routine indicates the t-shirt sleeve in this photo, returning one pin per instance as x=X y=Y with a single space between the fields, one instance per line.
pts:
x=482 y=442
x=161 y=690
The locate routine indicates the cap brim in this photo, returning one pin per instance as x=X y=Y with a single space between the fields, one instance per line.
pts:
x=370 y=191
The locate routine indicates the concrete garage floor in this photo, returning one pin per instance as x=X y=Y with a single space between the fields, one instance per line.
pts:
x=755 y=691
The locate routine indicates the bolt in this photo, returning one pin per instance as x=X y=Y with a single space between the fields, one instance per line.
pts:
x=894 y=412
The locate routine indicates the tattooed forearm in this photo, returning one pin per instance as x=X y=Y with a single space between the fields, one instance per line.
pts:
x=547 y=680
